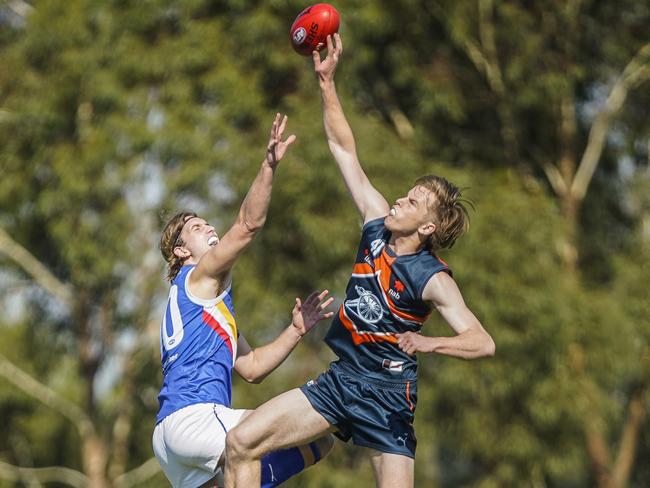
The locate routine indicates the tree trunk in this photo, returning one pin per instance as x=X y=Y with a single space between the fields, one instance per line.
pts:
x=567 y=167
x=616 y=473
x=94 y=457
x=571 y=217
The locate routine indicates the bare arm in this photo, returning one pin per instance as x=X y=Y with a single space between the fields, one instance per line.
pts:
x=471 y=340
x=207 y=278
x=370 y=203
x=255 y=364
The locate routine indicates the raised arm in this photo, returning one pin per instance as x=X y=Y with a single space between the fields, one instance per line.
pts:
x=255 y=364
x=370 y=203
x=208 y=277
x=471 y=340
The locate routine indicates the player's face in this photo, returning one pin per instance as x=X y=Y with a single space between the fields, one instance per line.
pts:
x=411 y=213
x=198 y=236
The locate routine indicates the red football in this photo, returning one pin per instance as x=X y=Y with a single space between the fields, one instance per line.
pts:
x=312 y=26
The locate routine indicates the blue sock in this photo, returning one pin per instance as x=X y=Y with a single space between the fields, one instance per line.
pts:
x=279 y=466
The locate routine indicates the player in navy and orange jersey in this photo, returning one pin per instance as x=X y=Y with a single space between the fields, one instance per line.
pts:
x=370 y=393
x=200 y=343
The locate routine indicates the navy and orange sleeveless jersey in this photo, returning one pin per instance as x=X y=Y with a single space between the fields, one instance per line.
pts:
x=383 y=297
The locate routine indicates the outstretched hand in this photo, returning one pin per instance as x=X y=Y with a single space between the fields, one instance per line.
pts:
x=277 y=148
x=308 y=313
x=326 y=68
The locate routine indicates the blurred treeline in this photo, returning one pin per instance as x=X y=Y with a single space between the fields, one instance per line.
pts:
x=114 y=113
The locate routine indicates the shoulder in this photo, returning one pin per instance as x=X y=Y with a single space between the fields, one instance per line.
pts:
x=376 y=229
x=424 y=267
x=439 y=287
x=181 y=278
x=374 y=224
x=201 y=293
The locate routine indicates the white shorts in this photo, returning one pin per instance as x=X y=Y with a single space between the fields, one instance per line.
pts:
x=189 y=442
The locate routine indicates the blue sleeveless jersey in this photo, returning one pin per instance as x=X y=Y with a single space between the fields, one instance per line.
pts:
x=383 y=297
x=198 y=344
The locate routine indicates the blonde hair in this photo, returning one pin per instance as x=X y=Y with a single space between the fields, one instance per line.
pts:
x=170 y=239
x=449 y=209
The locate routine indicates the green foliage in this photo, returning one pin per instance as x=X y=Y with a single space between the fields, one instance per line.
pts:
x=114 y=112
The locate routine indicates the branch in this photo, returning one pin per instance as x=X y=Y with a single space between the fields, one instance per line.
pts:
x=484 y=56
x=635 y=73
x=23 y=456
x=51 y=474
x=486 y=32
x=33 y=267
x=599 y=455
x=45 y=395
x=476 y=56
x=142 y=473
x=629 y=439
x=479 y=59
x=400 y=121
x=555 y=178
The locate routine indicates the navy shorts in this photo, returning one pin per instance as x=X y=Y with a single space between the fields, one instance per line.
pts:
x=372 y=412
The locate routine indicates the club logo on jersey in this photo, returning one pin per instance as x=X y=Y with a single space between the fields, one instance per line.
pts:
x=376 y=246
x=367 y=306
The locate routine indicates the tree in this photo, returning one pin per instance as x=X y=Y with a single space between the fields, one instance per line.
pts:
x=112 y=112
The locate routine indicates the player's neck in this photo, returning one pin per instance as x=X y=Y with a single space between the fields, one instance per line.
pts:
x=403 y=245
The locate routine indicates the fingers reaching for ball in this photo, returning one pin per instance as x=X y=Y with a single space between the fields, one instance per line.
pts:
x=277 y=148
x=326 y=67
x=334 y=45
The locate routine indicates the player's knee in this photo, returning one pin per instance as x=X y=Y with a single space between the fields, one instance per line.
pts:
x=237 y=446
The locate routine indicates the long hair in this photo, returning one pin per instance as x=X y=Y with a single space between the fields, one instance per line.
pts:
x=449 y=209
x=170 y=239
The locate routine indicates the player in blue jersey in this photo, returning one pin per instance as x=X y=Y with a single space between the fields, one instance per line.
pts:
x=201 y=345
x=369 y=395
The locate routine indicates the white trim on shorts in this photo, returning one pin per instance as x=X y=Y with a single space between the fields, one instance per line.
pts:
x=189 y=442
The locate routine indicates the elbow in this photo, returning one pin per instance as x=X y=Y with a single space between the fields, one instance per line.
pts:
x=489 y=348
x=251 y=227
x=253 y=378
x=341 y=146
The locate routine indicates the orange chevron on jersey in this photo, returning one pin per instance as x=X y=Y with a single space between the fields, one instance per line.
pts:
x=383 y=265
x=361 y=337
x=363 y=269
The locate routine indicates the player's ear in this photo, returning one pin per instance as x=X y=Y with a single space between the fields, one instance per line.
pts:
x=427 y=229
x=181 y=252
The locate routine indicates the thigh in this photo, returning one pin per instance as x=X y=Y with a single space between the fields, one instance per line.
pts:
x=284 y=421
x=392 y=470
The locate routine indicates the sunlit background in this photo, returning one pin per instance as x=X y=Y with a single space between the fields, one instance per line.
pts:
x=115 y=113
